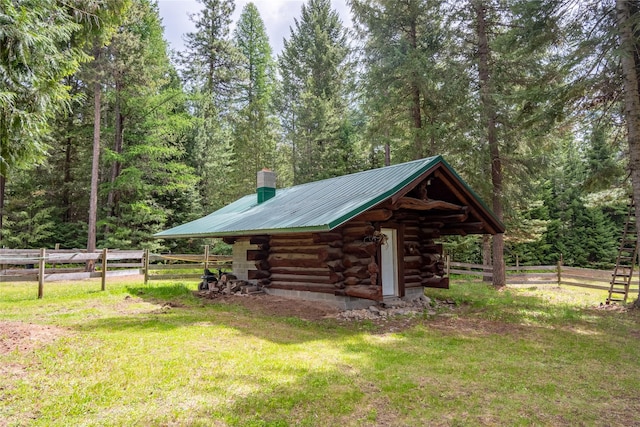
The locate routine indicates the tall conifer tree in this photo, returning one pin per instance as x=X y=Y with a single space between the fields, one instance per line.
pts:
x=409 y=83
x=314 y=66
x=210 y=71
x=255 y=125
x=148 y=180
x=35 y=57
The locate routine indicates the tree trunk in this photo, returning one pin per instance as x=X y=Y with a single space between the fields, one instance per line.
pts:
x=66 y=197
x=631 y=72
x=3 y=183
x=95 y=163
x=416 y=110
x=490 y=117
x=486 y=255
x=112 y=198
x=387 y=154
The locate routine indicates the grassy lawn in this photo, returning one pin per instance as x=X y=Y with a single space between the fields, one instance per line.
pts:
x=157 y=355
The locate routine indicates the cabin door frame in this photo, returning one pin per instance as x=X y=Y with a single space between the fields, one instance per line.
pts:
x=391 y=267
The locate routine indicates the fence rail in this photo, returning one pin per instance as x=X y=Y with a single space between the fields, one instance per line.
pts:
x=42 y=265
x=543 y=275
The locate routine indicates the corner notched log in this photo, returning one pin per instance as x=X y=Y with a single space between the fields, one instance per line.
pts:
x=329 y=254
x=256 y=255
x=360 y=272
x=362 y=291
x=336 y=265
x=259 y=240
x=262 y=264
x=436 y=282
x=360 y=249
x=258 y=274
x=353 y=260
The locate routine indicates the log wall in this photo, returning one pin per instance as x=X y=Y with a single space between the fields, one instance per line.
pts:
x=346 y=261
x=304 y=262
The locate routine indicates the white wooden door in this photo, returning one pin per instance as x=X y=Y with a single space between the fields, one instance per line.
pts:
x=389 y=262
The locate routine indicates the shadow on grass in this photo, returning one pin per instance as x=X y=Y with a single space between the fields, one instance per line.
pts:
x=513 y=306
x=419 y=376
x=422 y=377
x=177 y=307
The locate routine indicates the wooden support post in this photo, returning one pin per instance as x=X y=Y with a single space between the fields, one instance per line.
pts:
x=104 y=269
x=517 y=264
x=41 y=263
x=206 y=256
x=146 y=266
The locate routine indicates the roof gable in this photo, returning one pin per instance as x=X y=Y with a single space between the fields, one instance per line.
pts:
x=322 y=205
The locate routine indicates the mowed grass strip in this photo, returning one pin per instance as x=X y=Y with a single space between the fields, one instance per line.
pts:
x=157 y=355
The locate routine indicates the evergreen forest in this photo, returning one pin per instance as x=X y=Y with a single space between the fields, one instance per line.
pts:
x=107 y=136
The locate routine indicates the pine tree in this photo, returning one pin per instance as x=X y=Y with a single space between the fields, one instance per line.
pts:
x=410 y=85
x=314 y=66
x=35 y=57
x=255 y=125
x=29 y=220
x=154 y=188
x=516 y=78
x=148 y=177
x=604 y=170
x=210 y=70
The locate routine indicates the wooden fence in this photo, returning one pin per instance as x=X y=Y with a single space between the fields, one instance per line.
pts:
x=42 y=265
x=543 y=275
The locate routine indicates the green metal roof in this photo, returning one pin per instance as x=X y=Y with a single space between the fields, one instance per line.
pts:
x=315 y=206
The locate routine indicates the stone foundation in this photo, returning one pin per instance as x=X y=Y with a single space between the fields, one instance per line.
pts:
x=340 y=302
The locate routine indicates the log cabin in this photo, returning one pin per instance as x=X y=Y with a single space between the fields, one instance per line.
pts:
x=349 y=240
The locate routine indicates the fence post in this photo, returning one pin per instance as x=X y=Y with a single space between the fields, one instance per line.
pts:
x=104 y=269
x=56 y=248
x=517 y=264
x=559 y=272
x=447 y=260
x=206 y=256
x=146 y=266
x=41 y=262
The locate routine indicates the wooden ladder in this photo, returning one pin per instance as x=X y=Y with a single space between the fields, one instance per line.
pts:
x=627 y=256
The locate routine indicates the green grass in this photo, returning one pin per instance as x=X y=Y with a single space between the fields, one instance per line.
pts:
x=127 y=357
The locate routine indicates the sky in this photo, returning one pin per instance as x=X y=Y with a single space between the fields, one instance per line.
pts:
x=277 y=15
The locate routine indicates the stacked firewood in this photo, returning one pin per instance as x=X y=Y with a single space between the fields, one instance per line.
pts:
x=229 y=284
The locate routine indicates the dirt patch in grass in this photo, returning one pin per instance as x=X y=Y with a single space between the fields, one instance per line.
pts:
x=475 y=326
x=271 y=305
x=25 y=337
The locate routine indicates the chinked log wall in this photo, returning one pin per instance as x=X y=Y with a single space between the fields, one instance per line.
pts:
x=344 y=261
